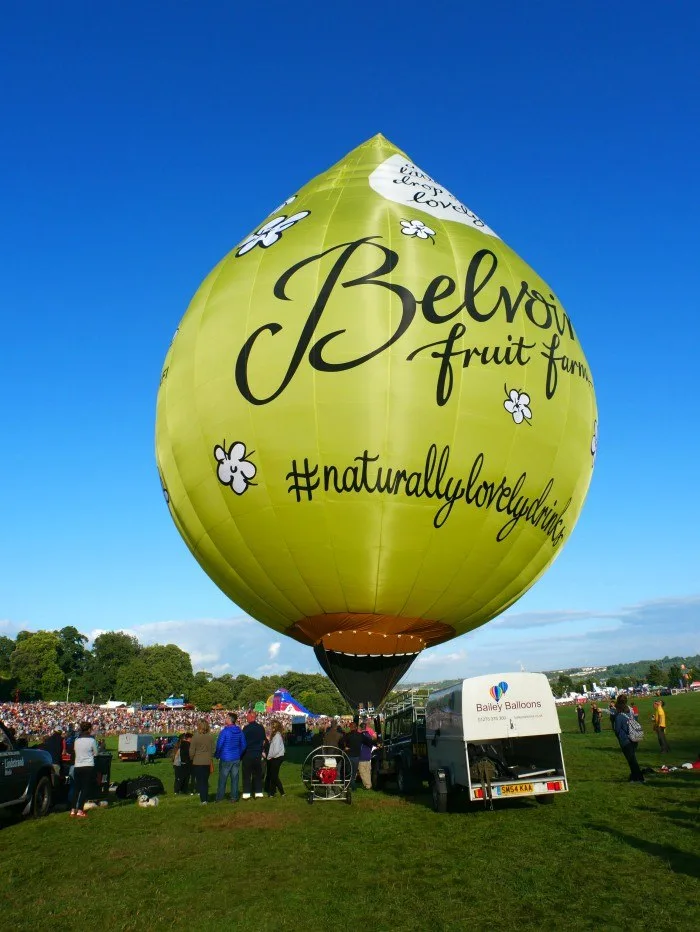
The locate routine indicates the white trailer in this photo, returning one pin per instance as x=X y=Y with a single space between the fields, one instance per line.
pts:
x=495 y=737
x=132 y=747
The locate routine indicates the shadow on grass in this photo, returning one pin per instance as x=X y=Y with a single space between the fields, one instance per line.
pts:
x=679 y=817
x=680 y=862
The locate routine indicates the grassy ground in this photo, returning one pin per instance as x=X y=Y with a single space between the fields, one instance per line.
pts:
x=608 y=855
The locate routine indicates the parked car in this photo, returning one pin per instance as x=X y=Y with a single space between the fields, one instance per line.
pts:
x=27 y=778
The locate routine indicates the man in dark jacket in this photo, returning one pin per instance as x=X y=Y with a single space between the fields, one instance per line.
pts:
x=334 y=735
x=54 y=746
x=581 y=715
x=184 y=771
x=352 y=745
x=230 y=746
x=254 y=735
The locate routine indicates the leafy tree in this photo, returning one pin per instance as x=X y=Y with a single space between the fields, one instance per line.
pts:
x=8 y=687
x=34 y=664
x=254 y=692
x=72 y=655
x=7 y=645
x=157 y=672
x=134 y=683
x=563 y=686
x=215 y=692
x=110 y=652
x=654 y=675
x=239 y=683
x=674 y=674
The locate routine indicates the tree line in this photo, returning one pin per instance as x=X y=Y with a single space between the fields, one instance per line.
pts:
x=59 y=665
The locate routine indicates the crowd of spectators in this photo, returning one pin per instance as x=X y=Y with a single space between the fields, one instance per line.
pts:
x=35 y=720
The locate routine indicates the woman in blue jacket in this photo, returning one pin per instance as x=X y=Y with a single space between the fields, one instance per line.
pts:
x=230 y=746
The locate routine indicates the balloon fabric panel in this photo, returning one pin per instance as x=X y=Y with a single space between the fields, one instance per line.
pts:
x=375 y=420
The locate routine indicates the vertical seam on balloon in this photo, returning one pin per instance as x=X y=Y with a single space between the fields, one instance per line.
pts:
x=229 y=569
x=192 y=542
x=513 y=442
x=389 y=214
x=326 y=516
x=229 y=502
x=433 y=536
x=476 y=537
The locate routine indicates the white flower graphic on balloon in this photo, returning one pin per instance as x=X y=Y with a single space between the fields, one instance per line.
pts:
x=269 y=233
x=417 y=228
x=234 y=469
x=517 y=404
x=594 y=440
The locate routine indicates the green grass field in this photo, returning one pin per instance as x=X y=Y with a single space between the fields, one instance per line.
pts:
x=608 y=855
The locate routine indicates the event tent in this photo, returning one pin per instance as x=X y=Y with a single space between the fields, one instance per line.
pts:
x=282 y=701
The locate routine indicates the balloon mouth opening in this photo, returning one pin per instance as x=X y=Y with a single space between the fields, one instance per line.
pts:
x=364 y=680
x=366 y=654
x=373 y=635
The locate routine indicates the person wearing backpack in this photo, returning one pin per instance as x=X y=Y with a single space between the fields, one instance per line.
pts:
x=629 y=733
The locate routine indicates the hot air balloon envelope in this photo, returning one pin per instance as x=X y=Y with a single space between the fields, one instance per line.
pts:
x=375 y=426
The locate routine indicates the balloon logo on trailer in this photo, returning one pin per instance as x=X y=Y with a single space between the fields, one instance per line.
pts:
x=375 y=424
x=499 y=690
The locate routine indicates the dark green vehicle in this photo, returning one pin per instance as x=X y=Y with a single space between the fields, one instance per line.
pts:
x=402 y=755
x=27 y=778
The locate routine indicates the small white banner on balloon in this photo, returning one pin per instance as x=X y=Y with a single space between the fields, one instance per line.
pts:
x=401 y=181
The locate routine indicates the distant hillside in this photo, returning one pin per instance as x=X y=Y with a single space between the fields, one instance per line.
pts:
x=635 y=670
x=638 y=670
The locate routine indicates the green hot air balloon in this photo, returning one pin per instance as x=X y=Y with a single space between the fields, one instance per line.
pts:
x=376 y=426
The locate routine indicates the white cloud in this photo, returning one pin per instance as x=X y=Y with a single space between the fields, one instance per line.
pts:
x=535 y=640
x=561 y=639
x=432 y=658
x=269 y=669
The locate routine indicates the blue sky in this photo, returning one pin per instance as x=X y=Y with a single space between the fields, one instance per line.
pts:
x=143 y=141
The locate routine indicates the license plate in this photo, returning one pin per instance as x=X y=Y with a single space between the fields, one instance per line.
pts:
x=512 y=789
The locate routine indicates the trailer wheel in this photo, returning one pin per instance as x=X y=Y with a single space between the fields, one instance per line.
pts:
x=42 y=798
x=439 y=799
x=544 y=800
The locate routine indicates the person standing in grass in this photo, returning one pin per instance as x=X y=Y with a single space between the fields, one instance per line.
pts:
x=202 y=757
x=275 y=759
x=85 y=751
x=230 y=746
x=255 y=738
x=581 y=714
x=185 y=763
x=352 y=745
x=595 y=717
x=364 y=767
x=660 y=725
x=623 y=714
